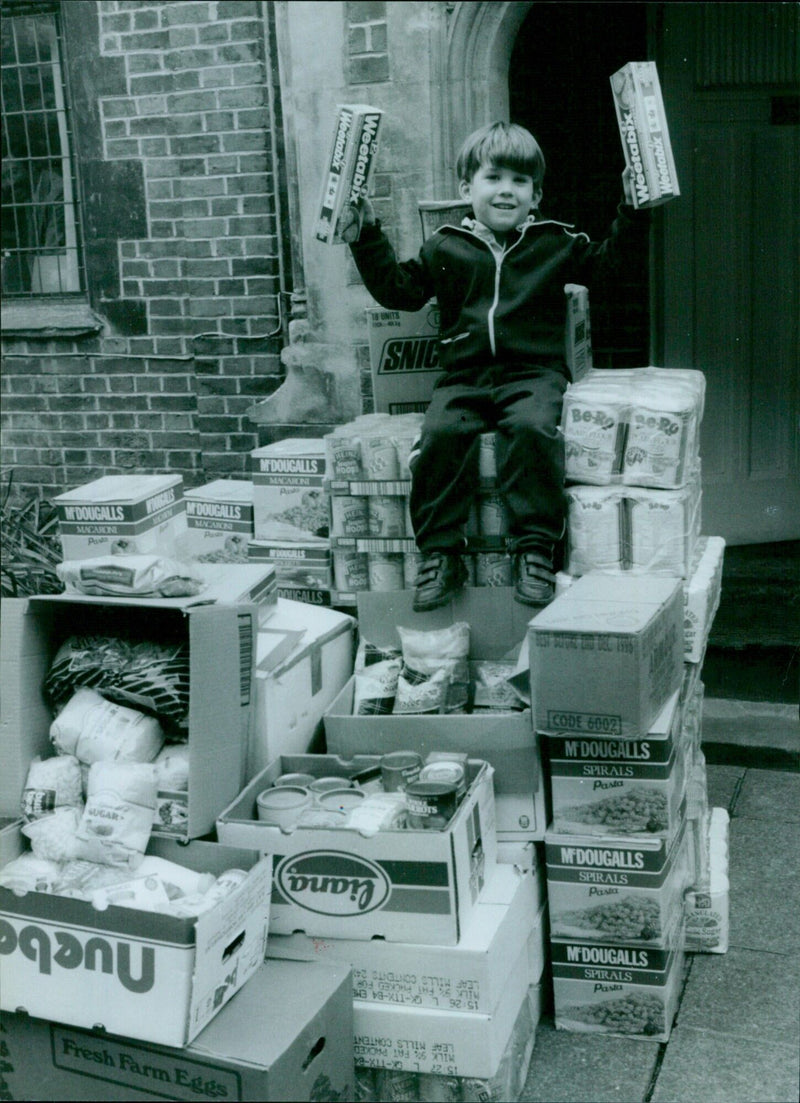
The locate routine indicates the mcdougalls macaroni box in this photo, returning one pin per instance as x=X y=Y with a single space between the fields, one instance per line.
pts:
x=122 y=515
x=219 y=518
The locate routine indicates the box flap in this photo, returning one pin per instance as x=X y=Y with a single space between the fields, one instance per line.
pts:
x=497 y=622
x=119 y=488
x=297 y=628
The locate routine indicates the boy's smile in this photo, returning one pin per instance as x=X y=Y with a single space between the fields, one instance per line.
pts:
x=501 y=197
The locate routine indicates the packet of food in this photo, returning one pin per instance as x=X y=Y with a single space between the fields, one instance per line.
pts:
x=418 y=692
x=131 y=576
x=118 y=817
x=94 y=729
x=375 y=688
x=51 y=783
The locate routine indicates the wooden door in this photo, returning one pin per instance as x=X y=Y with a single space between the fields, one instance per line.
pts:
x=729 y=302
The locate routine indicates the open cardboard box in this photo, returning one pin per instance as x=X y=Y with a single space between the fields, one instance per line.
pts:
x=221 y=633
x=402 y=885
x=141 y=974
x=260 y=1047
x=468 y=977
x=507 y=741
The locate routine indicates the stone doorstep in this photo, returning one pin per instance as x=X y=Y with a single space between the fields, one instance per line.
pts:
x=751 y=731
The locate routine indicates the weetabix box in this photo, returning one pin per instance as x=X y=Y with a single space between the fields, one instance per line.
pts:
x=219 y=520
x=403 y=885
x=145 y=975
x=643 y=129
x=609 y=889
x=122 y=514
x=404 y=357
x=610 y=786
x=606 y=655
x=289 y=499
x=351 y=162
x=629 y=991
x=260 y=1047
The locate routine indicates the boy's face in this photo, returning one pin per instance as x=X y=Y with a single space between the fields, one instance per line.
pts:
x=501 y=197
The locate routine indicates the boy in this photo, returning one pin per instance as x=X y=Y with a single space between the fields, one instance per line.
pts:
x=499 y=282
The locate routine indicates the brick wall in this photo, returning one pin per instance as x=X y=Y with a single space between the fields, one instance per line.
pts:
x=172 y=128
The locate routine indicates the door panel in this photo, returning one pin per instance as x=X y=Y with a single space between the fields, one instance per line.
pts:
x=731 y=302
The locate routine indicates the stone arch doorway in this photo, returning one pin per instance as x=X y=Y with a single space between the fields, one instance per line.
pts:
x=547 y=66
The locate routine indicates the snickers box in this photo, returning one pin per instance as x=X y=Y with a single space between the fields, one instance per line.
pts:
x=404 y=357
x=643 y=129
x=351 y=162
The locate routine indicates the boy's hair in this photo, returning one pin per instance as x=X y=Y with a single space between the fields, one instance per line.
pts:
x=504 y=145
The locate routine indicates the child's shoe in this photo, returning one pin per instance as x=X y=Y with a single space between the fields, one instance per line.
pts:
x=439 y=578
x=534 y=581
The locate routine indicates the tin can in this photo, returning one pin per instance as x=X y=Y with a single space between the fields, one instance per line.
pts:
x=411 y=565
x=431 y=804
x=469 y=563
x=492 y=515
x=350 y=570
x=344 y=456
x=451 y=773
x=386 y=515
x=385 y=571
x=475 y=1090
x=397 y=1086
x=399 y=768
x=340 y=800
x=282 y=806
x=379 y=458
x=435 y=1088
x=493 y=569
x=349 y=515
x=294 y=779
x=328 y=784
x=487 y=456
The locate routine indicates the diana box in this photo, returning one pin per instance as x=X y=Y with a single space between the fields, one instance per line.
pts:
x=304 y=656
x=606 y=655
x=260 y=1047
x=607 y=889
x=124 y=514
x=611 y=786
x=468 y=977
x=219 y=521
x=632 y=991
x=219 y=627
x=506 y=740
x=146 y=975
x=402 y=885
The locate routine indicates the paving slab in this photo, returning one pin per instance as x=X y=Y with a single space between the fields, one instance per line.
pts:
x=764 y=886
x=714 y=1067
x=721 y=782
x=588 y=1068
x=745 y=993
x=770 y=795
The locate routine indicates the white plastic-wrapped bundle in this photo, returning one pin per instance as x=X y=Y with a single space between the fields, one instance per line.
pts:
x=172 y=767
x=96 y=730
x=664 y=527
x=55 y=837
x=702 y=595
x=637 y=426
x=51 y=783
x=596 y=529
x=27 y=873
x=118 y=817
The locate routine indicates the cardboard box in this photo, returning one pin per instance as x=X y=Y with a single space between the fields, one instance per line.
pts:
x=289 y=502
x=221 y=638
x=219 y=520
x=643 y=129
x=304 y=656
x=455 y=1043
x=259 y=1047
x=141 y=974
x=403 y=357
x=627 y=991
x=304 y=570
x=123 y=514
x=611 y=786
x=506 y=740
x=350 y=165
x=598 y=887
x=401 y=885
x=702 y=592
x=606 y=655
x=468 y=977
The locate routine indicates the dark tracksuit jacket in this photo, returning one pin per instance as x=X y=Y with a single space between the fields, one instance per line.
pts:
x=501 y=348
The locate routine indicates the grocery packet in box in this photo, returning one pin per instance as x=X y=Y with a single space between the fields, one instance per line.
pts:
x=637 y=426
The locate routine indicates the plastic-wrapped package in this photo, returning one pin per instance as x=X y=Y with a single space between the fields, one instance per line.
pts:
x=426 y=651
x=172 y=767
x=596 y=530
x=27 y=873
x=419 y=692
x=131 y=576
x=94 y=729
x=55 y=837
x=118 y=817
x=664 y=527
x=638 y=426
x=492 y=687
x=375 y=688
x=52 y=783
